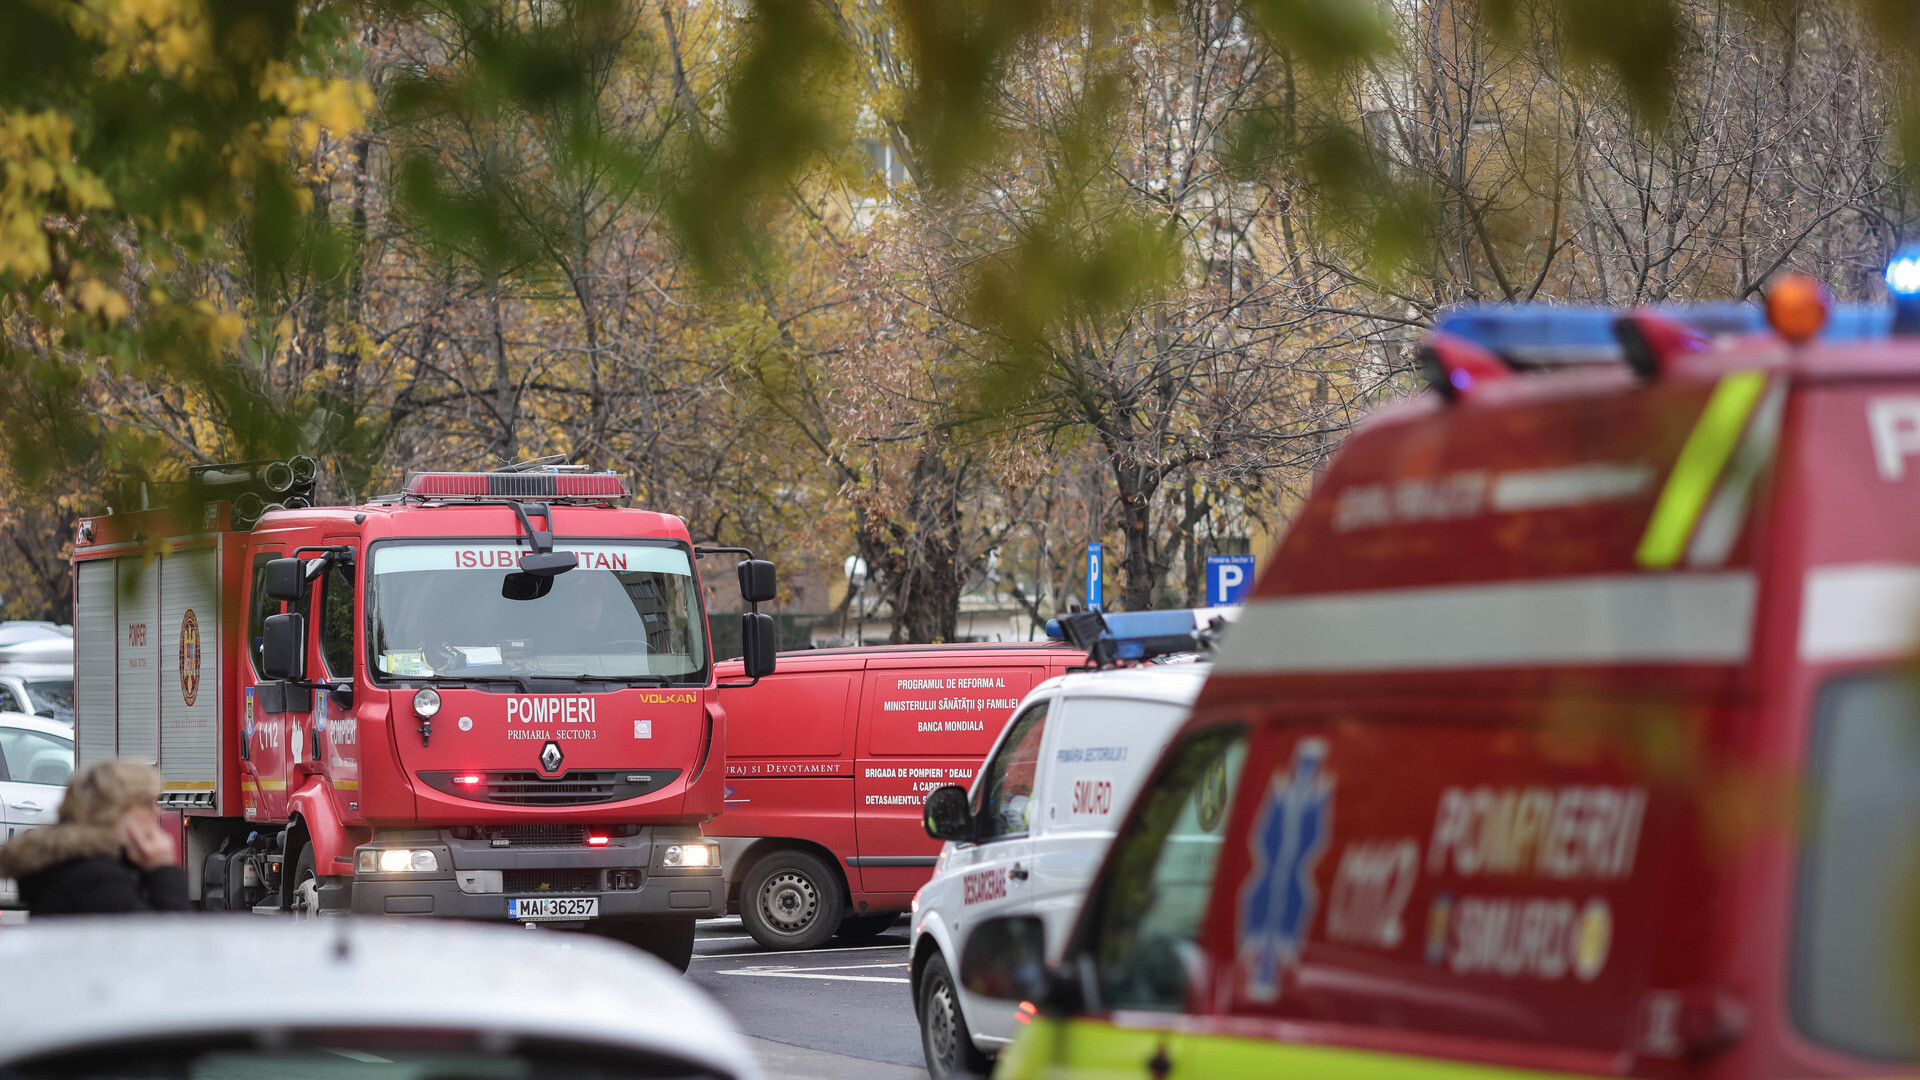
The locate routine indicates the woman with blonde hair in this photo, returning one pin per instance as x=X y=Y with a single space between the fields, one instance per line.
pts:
x=108 y=853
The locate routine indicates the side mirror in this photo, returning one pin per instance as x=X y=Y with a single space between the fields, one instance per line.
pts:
x=761 y=641
x=286 y=579
x=1006 y=959
x=549 y=563
x=283 y=648
x=757 y=585
x=946 y=814
x=521 y=585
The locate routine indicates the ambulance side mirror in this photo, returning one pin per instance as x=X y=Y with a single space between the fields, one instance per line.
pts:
x=947 y=815
x=283 y=646
x=1006 y=959
x=760 y=642
x=757 y=584
x=285 y=579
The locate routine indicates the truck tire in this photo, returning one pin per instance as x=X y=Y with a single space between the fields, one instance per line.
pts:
x=862 y=928
x=669 y=939
x=303 y=896
x=791 y=900
x=943 y=1027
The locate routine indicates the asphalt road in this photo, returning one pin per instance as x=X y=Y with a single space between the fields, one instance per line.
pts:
x=835 y=1013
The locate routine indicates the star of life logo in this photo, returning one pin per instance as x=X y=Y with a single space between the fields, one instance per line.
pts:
x=1289 y=832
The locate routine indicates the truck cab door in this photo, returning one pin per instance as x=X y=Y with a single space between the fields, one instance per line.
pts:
x=267 y=711
x=331 y=746
x=996 y=872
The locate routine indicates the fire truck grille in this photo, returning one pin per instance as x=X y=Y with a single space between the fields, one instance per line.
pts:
x=540 y=835
x=576 y=787
x=525 y=881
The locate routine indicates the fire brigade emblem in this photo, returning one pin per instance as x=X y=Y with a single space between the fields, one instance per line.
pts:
x=550 y=756
x=189 y=657
x=1276 y=903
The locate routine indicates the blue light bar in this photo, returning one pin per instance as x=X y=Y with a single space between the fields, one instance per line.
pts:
x=1542 y=335
x=1143 y=635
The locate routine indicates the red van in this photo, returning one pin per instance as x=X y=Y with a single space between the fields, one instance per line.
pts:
x=827 y=762
x=1571 y=731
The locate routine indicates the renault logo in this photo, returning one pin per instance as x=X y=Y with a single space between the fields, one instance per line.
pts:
x=550 y=757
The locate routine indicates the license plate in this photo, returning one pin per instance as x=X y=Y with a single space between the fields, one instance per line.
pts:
x=532 y=908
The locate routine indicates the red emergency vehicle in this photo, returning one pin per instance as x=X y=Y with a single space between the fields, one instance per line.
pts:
x=827 y=762
x=1571 y=731
x=488 y=697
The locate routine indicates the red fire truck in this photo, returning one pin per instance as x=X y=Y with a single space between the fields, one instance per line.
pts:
x=488 y=697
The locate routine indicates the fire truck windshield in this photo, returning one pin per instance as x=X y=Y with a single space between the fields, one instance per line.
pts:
x=443 y=610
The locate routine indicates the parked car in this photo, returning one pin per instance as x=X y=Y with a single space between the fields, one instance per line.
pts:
x=48 y=698
x=36 y=758
x=36 y=677
x=1028 y=838
x=827 y=761
x=14 y=631
x=181 y=997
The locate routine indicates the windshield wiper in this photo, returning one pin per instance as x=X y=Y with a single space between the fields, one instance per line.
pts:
x=629 y=680
x=524 y=682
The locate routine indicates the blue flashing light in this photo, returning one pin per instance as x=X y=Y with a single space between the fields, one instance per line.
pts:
x=1053 y=630
x=1903 y=273
x=1541 y=335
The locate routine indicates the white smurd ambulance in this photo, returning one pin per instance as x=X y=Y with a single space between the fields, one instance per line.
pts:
x=1030 y=835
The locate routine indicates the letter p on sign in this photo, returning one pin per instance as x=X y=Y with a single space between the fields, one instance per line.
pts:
x=1229 y=577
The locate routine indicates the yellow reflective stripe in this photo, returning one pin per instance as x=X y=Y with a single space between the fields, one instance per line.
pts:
x=1227 y=1057
x=1702 y=457
x=1082 y=1049
x=187 y=785
x=1087 y=1048
x=346 y=785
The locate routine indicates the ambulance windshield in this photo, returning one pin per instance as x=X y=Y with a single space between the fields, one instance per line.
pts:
x=628 y=611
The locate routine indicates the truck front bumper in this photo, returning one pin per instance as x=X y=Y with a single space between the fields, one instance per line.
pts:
x=473 y=879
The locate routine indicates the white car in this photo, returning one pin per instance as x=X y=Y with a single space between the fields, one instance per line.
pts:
x=36 y=758
x=203 y=996
x=50 y=697
x=1031 y=835
x=36 y=676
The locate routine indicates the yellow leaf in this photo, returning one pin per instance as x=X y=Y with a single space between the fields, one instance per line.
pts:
x=98 y=298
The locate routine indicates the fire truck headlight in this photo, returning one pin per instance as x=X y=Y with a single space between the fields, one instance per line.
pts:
x=398 y=861
x=426 y=703
x=698 y=856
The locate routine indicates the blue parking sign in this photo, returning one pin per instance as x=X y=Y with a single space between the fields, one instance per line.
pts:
x=1096 y=571
x=1229 y=577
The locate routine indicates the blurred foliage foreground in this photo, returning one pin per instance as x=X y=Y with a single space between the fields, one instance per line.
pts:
x=966 y=283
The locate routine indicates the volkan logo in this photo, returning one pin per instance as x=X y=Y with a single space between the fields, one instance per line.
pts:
x=1276 y=904
x=189 y=657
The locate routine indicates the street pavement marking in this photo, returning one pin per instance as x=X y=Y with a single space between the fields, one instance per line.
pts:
x=804 y=974
x=794 y=952
x=827 y=967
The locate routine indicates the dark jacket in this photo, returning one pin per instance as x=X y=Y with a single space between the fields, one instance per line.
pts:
x=73 y=869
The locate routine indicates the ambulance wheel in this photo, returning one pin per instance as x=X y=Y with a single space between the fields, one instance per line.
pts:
x=943 y=1028
x=791 y=900
x=867 y=927
x=303 y=900
x=669 y=939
